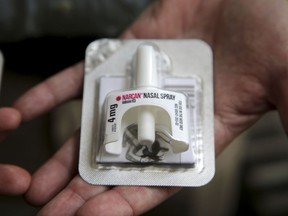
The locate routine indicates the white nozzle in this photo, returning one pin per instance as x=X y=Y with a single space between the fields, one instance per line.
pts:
x=146 y=76
x=146 y=126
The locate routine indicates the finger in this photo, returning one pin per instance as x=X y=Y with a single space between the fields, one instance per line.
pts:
x=72 y=198
x=52 y=92
x=13 y=180
x=164 y=19
x=122 y=201
x=55 y=174
x=9 y=120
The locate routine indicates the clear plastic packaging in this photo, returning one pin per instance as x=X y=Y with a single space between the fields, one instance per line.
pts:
x=148 y=113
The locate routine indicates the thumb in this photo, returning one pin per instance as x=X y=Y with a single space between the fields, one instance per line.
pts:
x=164 y=19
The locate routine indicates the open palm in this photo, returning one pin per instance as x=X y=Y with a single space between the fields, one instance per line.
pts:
x=250 y=44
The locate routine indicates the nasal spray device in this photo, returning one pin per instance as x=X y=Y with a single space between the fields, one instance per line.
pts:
x=147 y=116
x=147 y=110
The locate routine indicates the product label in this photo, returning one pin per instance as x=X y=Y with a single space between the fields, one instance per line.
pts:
x=172 y=105
x=131 y=97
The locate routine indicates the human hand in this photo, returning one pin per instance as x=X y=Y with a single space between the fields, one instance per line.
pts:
x=249 y=40
x=13 y=180
x=50 y=181
x=250 y=44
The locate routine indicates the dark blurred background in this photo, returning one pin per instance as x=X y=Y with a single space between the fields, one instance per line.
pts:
x=40 y=38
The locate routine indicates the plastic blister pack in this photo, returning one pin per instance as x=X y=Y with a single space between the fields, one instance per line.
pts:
x=147 y=115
